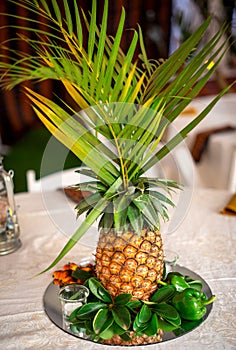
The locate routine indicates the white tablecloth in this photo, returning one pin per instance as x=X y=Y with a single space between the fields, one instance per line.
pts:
x=205 y=242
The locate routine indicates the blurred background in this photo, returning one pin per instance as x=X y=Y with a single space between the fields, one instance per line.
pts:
x=165 y=24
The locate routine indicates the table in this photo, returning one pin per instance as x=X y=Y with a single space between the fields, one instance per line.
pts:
x=205 y=242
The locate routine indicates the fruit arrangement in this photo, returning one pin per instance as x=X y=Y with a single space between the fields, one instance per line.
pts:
x=119 y=107
x=178 y=305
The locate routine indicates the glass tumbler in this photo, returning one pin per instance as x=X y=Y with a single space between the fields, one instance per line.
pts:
x=71 y=297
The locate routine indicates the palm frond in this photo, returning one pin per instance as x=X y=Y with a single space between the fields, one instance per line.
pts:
x=126 y=104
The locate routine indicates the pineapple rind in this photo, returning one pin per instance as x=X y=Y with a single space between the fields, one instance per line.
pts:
x=135 y=340
x=130 y=263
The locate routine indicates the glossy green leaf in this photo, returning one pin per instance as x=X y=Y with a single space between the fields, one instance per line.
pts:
x=152 y=327
x=73 y=315
x=80 y=274
x=144 y=314
x=139 y=327
x=99 y=291
x=166 y=326
x=166 y=311
x=118 y=330
x=107 y=333
x=122 y=317
x=163 y=294
x=89 y=310
x=134 y=304
x=122 y=299
x=102 y=320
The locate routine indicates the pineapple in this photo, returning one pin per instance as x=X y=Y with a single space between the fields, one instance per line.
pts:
x=127 y=107
x=130 y=263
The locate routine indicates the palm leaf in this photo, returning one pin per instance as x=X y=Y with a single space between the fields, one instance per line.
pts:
x=127 y=106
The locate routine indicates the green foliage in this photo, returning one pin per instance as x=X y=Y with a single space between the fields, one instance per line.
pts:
x=128 y=105
x=121 y=315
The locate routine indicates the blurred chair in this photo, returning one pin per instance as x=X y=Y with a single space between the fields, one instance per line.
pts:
x=232 y=176
x=178 y=166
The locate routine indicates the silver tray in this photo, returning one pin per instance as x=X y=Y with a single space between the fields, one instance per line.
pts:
x=52 y=306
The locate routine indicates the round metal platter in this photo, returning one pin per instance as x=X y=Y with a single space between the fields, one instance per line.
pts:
x=52 y=306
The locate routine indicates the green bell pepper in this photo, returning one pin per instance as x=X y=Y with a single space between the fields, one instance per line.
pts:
x=178 y=281
x=181 y=282
x=191 y=304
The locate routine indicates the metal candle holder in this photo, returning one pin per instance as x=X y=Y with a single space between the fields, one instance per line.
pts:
x=9 y=227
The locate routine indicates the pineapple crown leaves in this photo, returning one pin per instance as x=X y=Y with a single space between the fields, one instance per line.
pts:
x=128 y=102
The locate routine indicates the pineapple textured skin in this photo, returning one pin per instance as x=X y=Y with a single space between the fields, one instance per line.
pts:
x=130 y=263
x=136 y=340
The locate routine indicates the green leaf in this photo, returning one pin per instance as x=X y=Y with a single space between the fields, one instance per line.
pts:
x=135 y=218
x=166 y=311
x=122 y=317
x=125 y=337
x=68 y=17
x=76 y=328
x=99 y=291
x=144 y=204
x=163 y=294
x=166 y=326
x=107 y=333
x=89 y=310
x=144 y=314
x=80 y=274
x=117 y=329
x=79 y=30
x=102 y=320
x=161 y=197
x=113 y=56
x=122 y=299
x=73 y=315
x=152 y=327
x=57 y=11
x=134 y=304
x=92 y=30
x=139 y=327
x=87 y=203
x=89 y=326
x=101 y=45
x=120 y=207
